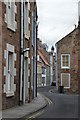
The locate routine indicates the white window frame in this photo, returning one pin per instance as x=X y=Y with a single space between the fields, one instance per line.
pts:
x=11 y=11
x=9 y=93
x=69 y=79
x=32 y=30
x=38 y=57
x=65 y=67
x=26 y=19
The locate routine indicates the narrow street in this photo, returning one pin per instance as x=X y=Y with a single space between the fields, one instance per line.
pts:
x=62 y=106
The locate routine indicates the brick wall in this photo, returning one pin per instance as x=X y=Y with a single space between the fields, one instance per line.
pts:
x=0 y=55
x=69 y=45
x=12 y=38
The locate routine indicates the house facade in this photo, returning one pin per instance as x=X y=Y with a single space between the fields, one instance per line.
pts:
x=10 y=54
x=42 y=70
x=17 y=36
x=43 y=64
x=67 y=61
x=52 y=69
x=0 y=56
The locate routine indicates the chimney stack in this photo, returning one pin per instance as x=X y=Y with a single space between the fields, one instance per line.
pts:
x=79 y=13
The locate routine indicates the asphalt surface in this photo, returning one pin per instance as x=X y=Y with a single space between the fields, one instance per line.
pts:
x=63 y=105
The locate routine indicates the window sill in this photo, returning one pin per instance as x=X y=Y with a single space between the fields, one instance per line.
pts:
x=65 y=67
x=27 y=37
x=10 y=28
x=67 y=87
x=10 y=94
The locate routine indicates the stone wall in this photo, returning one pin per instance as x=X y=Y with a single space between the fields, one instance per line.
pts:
x=0 y=56
x=12 y=38
x=69 y=45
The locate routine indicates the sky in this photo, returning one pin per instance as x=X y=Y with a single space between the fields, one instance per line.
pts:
x=56 y=19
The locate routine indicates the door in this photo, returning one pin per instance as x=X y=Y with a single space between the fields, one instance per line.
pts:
x=25 y=79
x=9 y=70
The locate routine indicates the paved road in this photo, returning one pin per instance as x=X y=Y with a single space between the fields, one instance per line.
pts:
x=63 y=106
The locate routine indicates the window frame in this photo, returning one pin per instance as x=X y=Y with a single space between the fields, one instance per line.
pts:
x=10 y=54
x=11 y=11
x=26 y=19
x=65 y=67
x=43 y=70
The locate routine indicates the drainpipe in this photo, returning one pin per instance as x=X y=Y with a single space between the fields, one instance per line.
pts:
x=22 y=55
x=35 y=54
x=56 y=68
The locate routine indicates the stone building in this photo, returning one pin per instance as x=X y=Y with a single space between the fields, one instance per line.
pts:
x=17 y=38
x=45 y=64
x=11 y=54
x=42 y=70
x=0 y=57
x=68 y=60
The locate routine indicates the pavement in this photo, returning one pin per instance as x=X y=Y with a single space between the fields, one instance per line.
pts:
x=17 y=112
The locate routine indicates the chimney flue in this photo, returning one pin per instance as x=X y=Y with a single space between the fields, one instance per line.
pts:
x=79 y=13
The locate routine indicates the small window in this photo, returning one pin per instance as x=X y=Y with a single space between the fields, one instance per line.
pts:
x=10 y=68
x=10 y=15
x=65 y=61
x=65 y=80
x=26 y=14
x=38 y=57
x=43 y=70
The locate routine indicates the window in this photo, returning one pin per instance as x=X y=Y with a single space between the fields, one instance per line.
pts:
x=26 y=20
x=65 y=80
x=43 y=70
x=9 y=71
x=65 y=61
x=10 y=68
x=51 y=59
x=11 y=10
x=32 y=30
x=38 y=57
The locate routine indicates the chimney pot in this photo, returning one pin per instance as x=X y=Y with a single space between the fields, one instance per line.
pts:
x=79 y=12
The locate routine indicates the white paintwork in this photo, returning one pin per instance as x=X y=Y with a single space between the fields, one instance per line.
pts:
x=9 y=71
x=26 y=19
x=10 y=16
x=25 y=79
x=44 y=76
x=65 y=67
